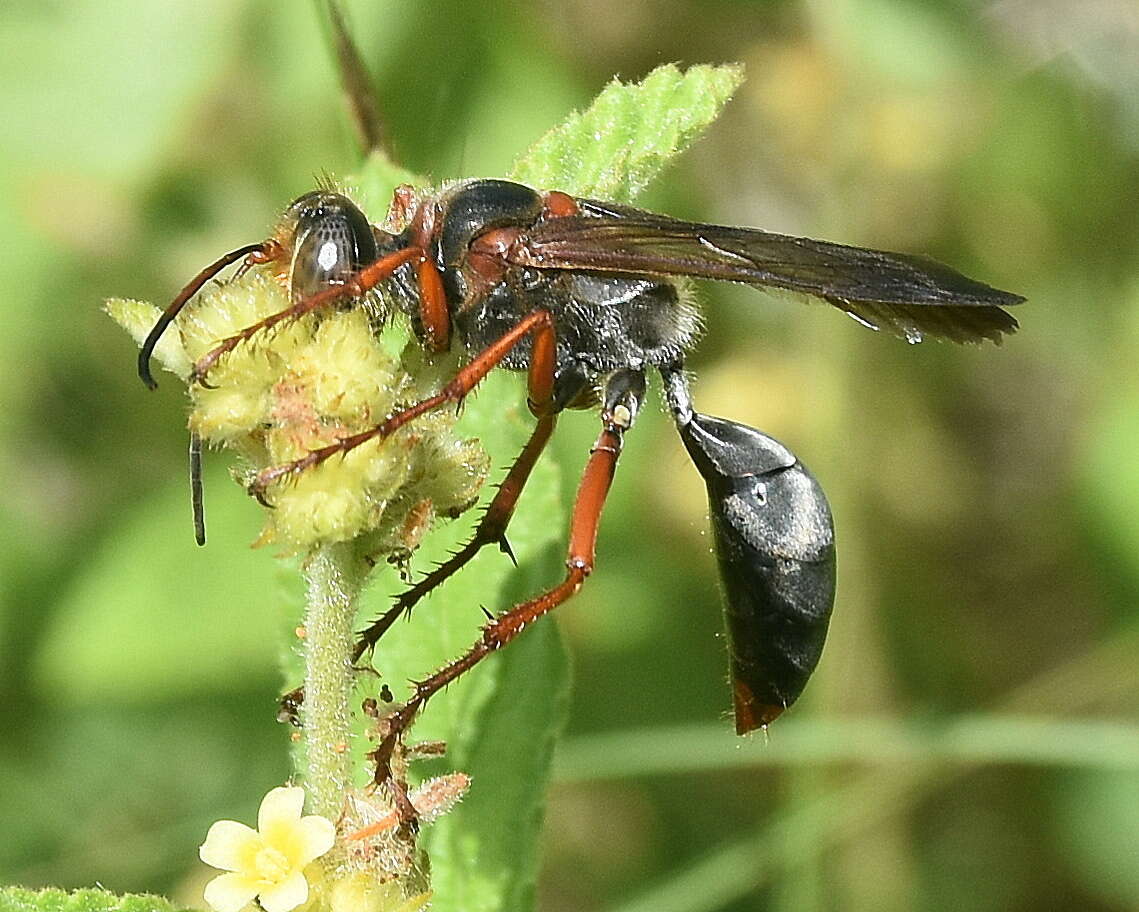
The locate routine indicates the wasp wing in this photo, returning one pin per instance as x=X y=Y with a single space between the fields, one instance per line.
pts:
x=912 y=296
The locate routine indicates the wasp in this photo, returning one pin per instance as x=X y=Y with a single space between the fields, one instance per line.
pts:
x=582 y=296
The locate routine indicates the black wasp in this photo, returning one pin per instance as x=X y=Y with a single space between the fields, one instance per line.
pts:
x=579 y=294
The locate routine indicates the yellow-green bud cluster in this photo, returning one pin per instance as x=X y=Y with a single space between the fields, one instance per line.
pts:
x=306 y=384
x=362 y=892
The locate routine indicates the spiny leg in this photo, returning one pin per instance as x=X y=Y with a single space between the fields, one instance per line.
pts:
x=538 y=322
x=491 y=530
x=492 y=527
x=436 y=319
x=623 y=398
x=357 y=286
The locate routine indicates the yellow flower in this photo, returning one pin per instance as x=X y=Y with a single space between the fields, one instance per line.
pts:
x=267 y=863
x=303 y=387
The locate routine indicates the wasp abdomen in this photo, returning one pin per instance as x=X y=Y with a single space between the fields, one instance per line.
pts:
x=775 y=544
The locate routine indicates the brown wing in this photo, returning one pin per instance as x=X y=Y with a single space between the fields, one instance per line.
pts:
x=910 y=295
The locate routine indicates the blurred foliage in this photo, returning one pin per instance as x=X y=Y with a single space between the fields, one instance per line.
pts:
x=985 y=499
x=20 y=899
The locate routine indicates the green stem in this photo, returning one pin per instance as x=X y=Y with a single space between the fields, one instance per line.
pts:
x=334 y=577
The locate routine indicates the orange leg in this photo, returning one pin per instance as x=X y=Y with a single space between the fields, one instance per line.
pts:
x=491 y=530
x=435 y=316
x=538 y=322
x=591 y=496
x=253 y=254
x=433 y=311
x=492 y=527
x=362 y=282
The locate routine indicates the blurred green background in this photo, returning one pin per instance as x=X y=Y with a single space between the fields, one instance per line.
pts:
x=971 y=738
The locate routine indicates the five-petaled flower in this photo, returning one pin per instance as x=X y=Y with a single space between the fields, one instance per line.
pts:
x=267 y=863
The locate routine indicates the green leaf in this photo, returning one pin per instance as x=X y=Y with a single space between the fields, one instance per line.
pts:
x=501 y=719
x=630 y=132
x=18 y=899
x=377 y=179
x=138 y=318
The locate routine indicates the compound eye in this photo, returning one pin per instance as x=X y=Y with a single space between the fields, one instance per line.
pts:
x=331 y=242
x=774 y=541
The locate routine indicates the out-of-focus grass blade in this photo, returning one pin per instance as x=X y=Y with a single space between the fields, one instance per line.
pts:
x=794 y=742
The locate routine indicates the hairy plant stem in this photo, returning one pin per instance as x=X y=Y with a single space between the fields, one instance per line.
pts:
x=334 y=576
